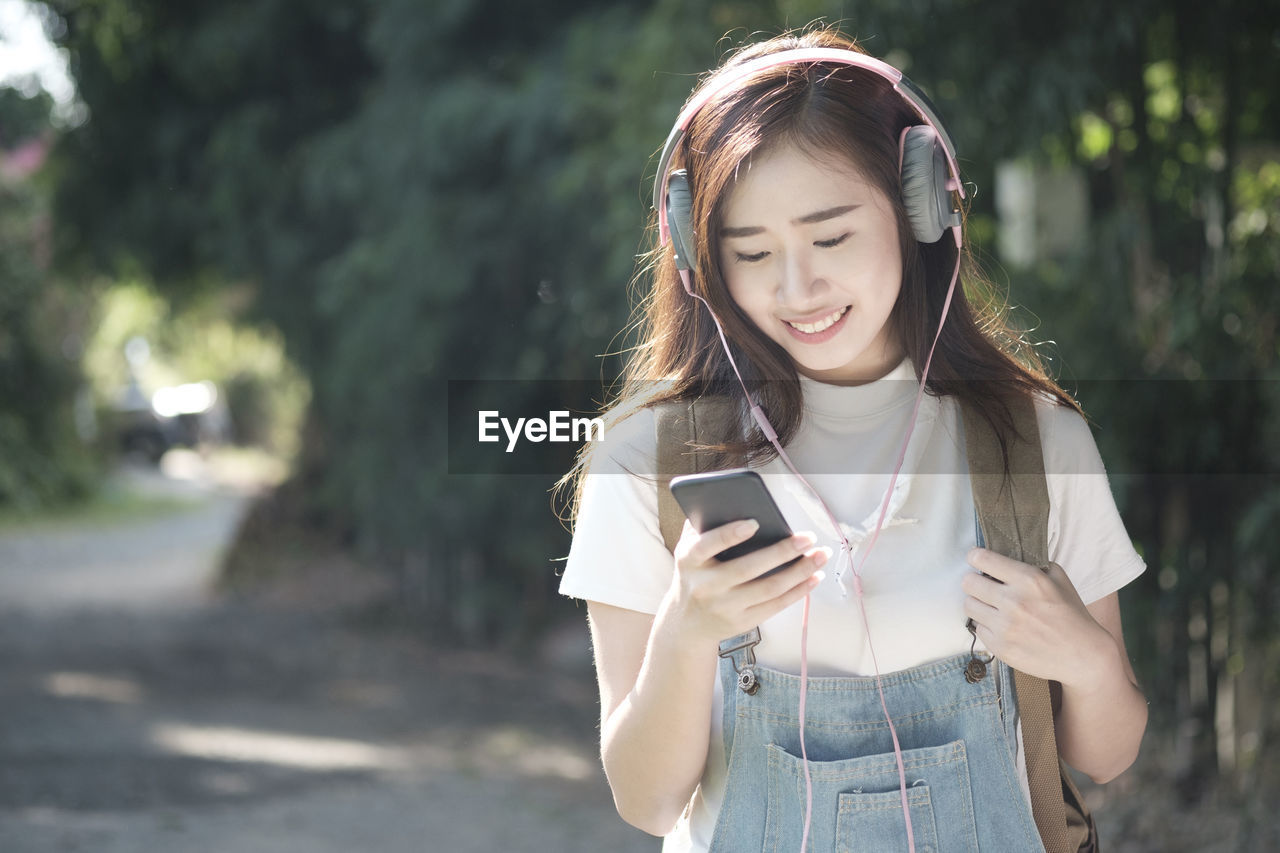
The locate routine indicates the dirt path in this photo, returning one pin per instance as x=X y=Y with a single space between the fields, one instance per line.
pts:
x=141 y=713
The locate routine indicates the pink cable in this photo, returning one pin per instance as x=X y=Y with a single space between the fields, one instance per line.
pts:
x=804 y=753
x=884 y=509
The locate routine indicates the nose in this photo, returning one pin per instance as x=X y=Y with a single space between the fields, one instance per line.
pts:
x=798 y=281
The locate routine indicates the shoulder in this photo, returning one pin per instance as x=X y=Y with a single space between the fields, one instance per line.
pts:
x=1087 y=536
x=617 y=555
x=629 y=444
x=1065 y=438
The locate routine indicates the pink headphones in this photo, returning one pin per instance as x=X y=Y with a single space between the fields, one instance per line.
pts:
x=926 y=156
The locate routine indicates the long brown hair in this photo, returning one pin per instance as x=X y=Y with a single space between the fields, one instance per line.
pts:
x=827 y=110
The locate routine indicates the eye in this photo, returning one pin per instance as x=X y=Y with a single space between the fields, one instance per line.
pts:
x=750 y=259
x=832 y=243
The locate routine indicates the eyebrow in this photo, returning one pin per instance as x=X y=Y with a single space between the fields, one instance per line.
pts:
x=807 y=219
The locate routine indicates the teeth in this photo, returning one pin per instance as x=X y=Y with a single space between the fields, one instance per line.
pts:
x=826 y=323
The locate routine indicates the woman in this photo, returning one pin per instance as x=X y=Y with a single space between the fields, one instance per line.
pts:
x=809 y=198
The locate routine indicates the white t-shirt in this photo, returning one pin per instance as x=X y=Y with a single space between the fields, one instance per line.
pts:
x=846 y=448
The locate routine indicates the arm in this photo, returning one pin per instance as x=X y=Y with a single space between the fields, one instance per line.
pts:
x=1034 y=621
x=1100 y=725
x=655 y=711
x=657 y=673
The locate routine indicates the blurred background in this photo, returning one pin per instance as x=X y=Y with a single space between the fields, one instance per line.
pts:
x=245 y=248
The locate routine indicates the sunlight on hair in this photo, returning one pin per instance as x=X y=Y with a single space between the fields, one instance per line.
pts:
x=226 y=743
x=85 y=685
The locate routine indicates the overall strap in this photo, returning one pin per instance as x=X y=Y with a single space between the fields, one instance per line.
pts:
x=1013 y=510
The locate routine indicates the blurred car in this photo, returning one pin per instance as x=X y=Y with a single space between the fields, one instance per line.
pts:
x=187 y=415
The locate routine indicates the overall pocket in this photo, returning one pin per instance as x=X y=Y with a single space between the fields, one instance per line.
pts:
x=857 y=805
x=873 y=822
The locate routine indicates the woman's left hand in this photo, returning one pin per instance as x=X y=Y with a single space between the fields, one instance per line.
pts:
x=1033 y=619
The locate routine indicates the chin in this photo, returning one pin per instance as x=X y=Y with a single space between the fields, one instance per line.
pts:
x=856 y=369
x=842 y=364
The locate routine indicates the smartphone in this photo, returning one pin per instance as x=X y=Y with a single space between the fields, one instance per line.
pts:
x=717 y=498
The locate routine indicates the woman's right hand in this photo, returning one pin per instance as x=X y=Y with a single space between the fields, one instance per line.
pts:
x=658 y=673
x=714 y=600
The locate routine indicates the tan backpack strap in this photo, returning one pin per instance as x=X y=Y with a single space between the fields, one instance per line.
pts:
x=1014 y=513
x=682 y=424
x=676 y=426
x=1013 y=510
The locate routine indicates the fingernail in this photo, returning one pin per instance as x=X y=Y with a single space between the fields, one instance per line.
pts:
x=817 y=577
x=821 y=556
x=803 y=540
x=746 y=528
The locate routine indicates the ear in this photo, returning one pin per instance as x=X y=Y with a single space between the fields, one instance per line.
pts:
x=924 y=184
x=680 y=218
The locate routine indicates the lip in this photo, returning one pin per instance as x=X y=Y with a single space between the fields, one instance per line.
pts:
x=818 y=337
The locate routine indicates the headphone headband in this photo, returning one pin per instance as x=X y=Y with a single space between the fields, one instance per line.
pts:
x=904 y=87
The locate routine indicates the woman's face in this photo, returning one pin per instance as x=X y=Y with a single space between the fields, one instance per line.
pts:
x=809 y=251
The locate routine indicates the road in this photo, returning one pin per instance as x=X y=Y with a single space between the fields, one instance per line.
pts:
x=143 y=712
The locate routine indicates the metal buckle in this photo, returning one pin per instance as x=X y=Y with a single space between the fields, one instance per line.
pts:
x=740 y=652
x=976 y=669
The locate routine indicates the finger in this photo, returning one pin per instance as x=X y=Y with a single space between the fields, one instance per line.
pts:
x=980 y=612
x=988 y=639
x=688 y=536
x=762 y=599
x=1002 y=568
x=983 y=588
x=748 y=567
x=713 y=541
x=771 y=607
x=764 y=588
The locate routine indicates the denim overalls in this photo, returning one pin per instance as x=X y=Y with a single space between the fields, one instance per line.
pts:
x=958 y=748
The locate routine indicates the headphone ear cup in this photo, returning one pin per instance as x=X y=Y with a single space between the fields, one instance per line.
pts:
x=924 y=184
x=680 y=217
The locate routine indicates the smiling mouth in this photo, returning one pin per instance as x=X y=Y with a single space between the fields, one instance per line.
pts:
x=823 y=324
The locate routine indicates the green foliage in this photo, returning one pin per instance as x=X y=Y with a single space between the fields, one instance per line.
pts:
x=44 y=461
x=22 y=118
